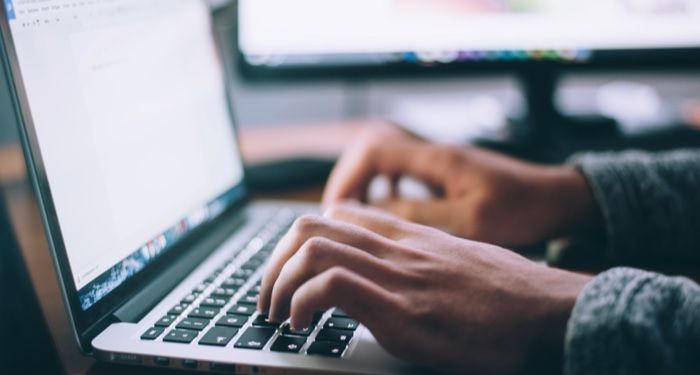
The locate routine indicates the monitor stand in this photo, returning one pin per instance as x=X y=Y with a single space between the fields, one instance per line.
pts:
x=546 y=135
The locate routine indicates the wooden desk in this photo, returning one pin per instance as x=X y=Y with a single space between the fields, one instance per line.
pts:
x=320 y=140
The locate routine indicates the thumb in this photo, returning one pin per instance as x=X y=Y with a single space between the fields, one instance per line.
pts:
x=434 y=213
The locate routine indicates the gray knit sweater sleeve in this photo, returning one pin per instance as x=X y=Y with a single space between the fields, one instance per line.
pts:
x=650 y=203
x=629 y=321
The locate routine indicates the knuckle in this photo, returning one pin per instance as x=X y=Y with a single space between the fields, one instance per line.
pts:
x=336 y=278
x=420 y=313
x=314 y=248
x=306 y=224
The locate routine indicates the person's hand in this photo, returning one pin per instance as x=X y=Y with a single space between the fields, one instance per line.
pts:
x=481 y=195
x=427 y=297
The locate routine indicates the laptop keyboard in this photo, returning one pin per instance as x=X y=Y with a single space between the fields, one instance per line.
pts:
x=221 y=310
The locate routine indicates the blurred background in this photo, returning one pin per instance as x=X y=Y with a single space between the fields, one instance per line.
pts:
x=660 y=96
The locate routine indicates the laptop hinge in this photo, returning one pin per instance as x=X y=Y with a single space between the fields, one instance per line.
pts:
x=146 y=299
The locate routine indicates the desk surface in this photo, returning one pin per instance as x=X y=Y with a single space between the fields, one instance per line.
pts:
x=257 y=145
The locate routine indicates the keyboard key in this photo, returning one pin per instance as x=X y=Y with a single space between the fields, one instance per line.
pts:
x=287 y=330
x=204 y=312
x=235 y=321
x=218 y=336
x=334 y=335
x=243 y=274
x=218 y=271
x=255 y=338
x=152 y=333
x=200 y=288
x=223 y=292
x=177 y=310
x=249 y=300
x=165 y=321
x=189 y=299
x=252 y=265
x=288 y=344
x=341 y=323
x=213 y=302
x=242 y=310
x=194 y=324
x=180 y=336
x=338 y=313
x=328 y=349
x=233 y=282
x=214 y=275
x=261 y=256
x=261 y=321
x=256 y=289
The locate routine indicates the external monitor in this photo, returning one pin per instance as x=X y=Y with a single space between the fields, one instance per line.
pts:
x=276 y=36
x=536 y=40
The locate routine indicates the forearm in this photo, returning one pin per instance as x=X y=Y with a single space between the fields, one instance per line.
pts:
x=649 y=203
x=632 y=322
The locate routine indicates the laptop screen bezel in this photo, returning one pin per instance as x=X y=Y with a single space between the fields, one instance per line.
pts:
x=87 y=323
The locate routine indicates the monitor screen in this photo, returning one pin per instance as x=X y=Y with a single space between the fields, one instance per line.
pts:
x=129 y=107
x=278 y=33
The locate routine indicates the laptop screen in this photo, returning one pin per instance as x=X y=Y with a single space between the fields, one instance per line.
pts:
x=129 y=107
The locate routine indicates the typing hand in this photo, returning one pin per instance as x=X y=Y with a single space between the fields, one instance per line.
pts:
x=428 y=297
x=481 y=195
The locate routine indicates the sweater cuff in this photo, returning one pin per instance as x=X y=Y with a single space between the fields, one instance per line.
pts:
x=607 y=178
x=629 y=321
x=649 y=203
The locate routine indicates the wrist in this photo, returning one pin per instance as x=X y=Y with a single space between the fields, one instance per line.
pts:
x=571 y=199
x=562 y=289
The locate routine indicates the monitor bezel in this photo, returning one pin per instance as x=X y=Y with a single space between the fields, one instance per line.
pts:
x=652 y=59
x=86 y=324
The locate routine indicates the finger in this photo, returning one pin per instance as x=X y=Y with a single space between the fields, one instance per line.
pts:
x=316 y=256
x=361 y=163
x=434 y=213
x=378 y=221
x=307 y=227
x=361 y=298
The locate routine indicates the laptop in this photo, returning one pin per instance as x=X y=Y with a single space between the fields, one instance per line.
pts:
x=131 y=146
